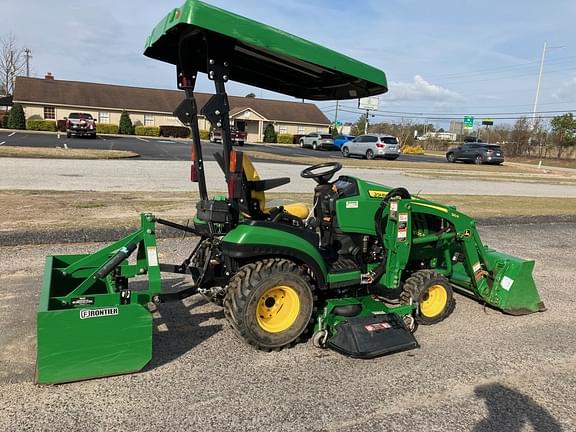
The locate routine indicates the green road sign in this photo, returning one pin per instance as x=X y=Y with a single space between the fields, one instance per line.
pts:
x=468 y=121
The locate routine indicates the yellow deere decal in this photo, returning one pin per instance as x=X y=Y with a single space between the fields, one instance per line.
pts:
x=442 y=209
x=377 y=194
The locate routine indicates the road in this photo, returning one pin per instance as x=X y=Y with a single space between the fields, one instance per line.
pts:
x=477 y=371
x=146 y=175
x=168 y=149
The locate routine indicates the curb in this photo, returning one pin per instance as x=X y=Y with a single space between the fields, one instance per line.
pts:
x=103 y=235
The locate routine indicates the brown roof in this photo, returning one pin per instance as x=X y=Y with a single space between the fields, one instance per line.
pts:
x=82 y=94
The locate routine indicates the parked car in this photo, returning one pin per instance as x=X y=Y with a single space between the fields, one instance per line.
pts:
x=317 y=141
x=373 y=145
x=80 y=124
x=341 y=139
x=238 y=137
x=478 y=153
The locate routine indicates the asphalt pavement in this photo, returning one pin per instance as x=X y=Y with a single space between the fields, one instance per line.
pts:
x=169 y=149
x=146 y=175
x=479 y=370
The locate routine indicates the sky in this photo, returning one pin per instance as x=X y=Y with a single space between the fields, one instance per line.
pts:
x=443 y=59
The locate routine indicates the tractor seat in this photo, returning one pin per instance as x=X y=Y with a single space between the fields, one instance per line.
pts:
x=257 y=187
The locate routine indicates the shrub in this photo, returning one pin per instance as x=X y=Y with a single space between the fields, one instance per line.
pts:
x=285 y=138
x=204 y=134
x=174 y=131
x=270 y=134
x=3 y=120
x=125 y=127
x=106 y=128
x=153 y=131
x=415 y=149
x=16 y=118
x=41 y=125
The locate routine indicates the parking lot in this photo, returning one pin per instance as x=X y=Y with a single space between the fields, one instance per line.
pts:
x=479 y=370
x=169 y=149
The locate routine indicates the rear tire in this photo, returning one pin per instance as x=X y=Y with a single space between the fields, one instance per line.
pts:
x=241 y=143
x=346 y=152
x=432 y=293
x=478 y=160
x=369 y=154
x=451 y=158
x=269 y=303
x=68 y=135
x=314 y=146
x=302 y=143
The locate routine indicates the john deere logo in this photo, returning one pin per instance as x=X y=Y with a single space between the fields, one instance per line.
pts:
x=97 y=313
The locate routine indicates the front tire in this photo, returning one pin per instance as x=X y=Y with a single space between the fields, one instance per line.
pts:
x=433 y=295
x=478 y=160
x=369 y=154
x=269 y=303
x=68 y=135
x=314 y=146
x=451 y=158
x=346 y=152
x=301 y=143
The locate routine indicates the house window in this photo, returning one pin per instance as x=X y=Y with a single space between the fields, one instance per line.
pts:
x=148 y=120
x=49 y=113
x=301 y=130
x=282 y=129
x=104 y=117
x=320 y=130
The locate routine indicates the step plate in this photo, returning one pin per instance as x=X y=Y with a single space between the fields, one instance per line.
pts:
x=372 y=336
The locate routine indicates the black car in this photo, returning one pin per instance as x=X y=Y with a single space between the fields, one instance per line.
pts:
x=479 y=153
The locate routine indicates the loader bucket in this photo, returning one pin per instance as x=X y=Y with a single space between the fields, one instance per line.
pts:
x=89 y=323
x=513 y=289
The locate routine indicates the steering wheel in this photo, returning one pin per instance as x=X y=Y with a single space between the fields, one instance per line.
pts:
x=324 y=176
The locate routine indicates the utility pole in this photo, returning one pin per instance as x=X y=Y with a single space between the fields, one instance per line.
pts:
x=28 y=54
x=546 y=47
x=337 y=107
x=539 y=82
x=367 y=121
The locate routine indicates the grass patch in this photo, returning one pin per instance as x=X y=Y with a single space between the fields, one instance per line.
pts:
x=505 y=206
x=61 y=153
x=34 y=210
x=470 y=169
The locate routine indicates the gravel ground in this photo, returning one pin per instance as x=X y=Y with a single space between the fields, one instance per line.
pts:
x=480 y=370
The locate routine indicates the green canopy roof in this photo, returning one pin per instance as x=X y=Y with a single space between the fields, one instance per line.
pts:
x=263 y=56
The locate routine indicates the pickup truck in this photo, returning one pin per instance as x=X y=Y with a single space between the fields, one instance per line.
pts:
x=80 y=124
x=238 y=137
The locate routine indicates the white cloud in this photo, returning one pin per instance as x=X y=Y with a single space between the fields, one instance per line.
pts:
x=567 y=91
x=421 y=90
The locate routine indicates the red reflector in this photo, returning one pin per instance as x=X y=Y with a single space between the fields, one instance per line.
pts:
x=194 y=173
x=233 y=161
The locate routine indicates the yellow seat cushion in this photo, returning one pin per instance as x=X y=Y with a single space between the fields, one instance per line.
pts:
x=298 y=210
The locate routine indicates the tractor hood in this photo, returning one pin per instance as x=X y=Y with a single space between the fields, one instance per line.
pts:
x=263 y=56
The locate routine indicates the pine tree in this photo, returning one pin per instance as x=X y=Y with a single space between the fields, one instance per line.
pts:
x=270 y=134
x=125 y=127
x=16 y=118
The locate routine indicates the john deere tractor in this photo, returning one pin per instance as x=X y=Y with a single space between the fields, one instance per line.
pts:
x=357 y=272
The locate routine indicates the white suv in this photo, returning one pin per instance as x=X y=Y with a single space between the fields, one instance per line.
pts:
x=372 y=146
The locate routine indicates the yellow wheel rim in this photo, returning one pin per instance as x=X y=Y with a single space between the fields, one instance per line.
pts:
x=434 y=301
x=278 y=309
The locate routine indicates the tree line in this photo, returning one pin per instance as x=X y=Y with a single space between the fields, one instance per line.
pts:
x=544 y=139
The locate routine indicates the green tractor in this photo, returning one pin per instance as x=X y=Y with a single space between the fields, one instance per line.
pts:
x=357 y=272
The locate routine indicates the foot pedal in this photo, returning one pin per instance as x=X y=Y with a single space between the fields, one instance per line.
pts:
x=372 y=336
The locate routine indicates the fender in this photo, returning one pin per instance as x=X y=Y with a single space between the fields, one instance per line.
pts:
x=262 y=239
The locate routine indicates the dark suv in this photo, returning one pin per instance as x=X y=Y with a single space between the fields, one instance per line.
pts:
x=478 y=153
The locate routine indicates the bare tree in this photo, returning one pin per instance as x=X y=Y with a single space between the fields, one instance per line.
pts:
x=12 y=63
